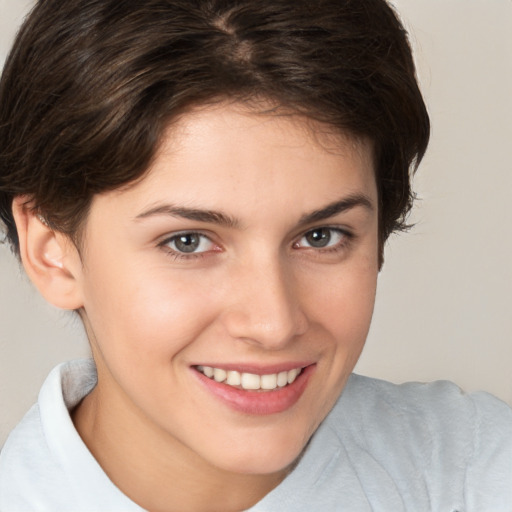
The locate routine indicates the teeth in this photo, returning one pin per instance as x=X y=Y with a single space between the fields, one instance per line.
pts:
x=219 y=375
x=292 y=375
x=269 y=381
x=233 y=379
x=251 y=381
x=208 y=371
x=282 y=379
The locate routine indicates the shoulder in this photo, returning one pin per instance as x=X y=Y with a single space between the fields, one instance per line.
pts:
x=439 y=399
x=26 y=436
x=414 y=413
x=440 y=406
x=44 y=465
x=430 y=435
x=25 y=459
x=30 y=470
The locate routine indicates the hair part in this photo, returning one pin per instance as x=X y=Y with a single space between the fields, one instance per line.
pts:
x=91 y=86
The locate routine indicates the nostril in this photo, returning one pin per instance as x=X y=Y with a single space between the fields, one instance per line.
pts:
x=274 y=328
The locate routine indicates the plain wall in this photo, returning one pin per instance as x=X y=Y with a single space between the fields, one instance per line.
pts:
x=443 y=307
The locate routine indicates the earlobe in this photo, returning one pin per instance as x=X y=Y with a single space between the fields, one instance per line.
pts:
x=50 y=259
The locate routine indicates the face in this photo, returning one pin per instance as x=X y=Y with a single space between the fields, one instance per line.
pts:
x=228 y=294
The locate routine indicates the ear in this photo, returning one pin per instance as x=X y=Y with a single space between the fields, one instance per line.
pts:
x=50 y=258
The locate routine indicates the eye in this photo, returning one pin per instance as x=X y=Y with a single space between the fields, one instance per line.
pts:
x=322 y=238
x=189 y=243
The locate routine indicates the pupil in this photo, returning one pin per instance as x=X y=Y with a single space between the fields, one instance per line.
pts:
x=319 y=237
x=187 y=243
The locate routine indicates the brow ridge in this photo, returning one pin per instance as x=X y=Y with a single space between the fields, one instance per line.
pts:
x=216 y=217
x=208 y=216
x=332 y=209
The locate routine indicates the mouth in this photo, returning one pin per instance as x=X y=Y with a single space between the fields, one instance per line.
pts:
x=254 y=393
x=251 y=381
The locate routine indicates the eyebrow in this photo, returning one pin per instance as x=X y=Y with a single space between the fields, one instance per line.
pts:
x=208 y=216
x=216 y=217
x=337 y=207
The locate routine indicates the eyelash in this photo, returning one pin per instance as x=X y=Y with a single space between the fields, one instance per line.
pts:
x=345 y=238
x=180 y=255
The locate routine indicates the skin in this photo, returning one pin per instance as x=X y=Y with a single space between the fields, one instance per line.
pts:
x=255 y=292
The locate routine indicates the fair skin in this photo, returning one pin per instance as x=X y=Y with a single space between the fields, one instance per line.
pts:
x=250 y=246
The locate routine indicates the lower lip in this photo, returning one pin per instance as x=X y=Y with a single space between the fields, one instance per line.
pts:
x=259 y=402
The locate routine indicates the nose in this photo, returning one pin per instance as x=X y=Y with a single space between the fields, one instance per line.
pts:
x=265 y=306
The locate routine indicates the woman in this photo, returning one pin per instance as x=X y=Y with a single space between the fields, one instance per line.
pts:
x=210 y=185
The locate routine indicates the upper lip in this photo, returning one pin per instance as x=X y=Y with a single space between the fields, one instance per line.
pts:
x=258 y=369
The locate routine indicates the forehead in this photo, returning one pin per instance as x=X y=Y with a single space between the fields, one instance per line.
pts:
x=233 y=157
x=264 y=122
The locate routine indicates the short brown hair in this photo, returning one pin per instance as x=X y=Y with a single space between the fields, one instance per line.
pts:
x=91 y=85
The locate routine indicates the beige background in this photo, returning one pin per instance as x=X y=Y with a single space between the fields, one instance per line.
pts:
x=444 y=303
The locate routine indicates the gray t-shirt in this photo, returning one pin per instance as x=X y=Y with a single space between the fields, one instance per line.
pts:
x=413 y=447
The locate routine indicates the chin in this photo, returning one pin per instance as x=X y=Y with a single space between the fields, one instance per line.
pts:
x=267 y=465
x=262 y=456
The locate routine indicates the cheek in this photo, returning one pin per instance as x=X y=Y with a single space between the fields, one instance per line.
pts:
x=344 y=306
x=146 y=313
x=343 y=312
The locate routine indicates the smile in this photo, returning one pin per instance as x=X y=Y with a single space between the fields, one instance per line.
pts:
x=251 y=381
x=256 y=393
